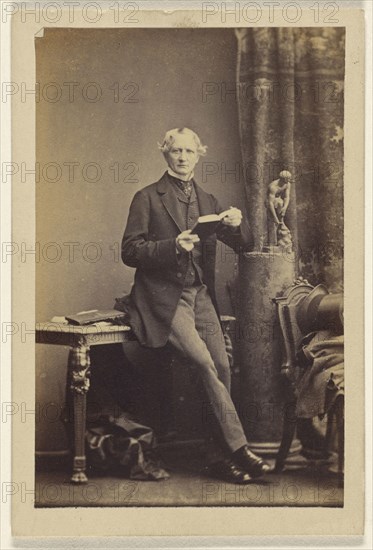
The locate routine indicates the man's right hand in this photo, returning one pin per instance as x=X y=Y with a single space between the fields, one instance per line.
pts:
x=186 y=241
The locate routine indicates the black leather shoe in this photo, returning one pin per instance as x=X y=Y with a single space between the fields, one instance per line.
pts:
x=227 y=470
x=251 y=463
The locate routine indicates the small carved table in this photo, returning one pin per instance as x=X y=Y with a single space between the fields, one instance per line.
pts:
x=80 y=339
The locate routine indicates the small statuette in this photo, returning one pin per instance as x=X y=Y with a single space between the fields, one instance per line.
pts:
x=277 y=202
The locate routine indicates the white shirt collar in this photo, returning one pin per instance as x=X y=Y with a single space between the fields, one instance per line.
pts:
x=177 y=176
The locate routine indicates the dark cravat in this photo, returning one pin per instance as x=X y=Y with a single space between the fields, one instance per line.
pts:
x=185 y=186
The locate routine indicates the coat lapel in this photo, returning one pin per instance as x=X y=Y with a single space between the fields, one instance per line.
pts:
x=170 y=201
x=204 y=201
x=172 y=205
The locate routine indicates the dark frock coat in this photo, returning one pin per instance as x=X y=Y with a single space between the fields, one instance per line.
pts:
x=155 y=219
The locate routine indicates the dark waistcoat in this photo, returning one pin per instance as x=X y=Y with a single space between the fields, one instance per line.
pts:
x=190 y=211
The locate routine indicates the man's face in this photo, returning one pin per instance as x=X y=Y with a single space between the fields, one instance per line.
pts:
x=182 y=156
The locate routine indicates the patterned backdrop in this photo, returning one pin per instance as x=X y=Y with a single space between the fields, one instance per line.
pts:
x=291 y=104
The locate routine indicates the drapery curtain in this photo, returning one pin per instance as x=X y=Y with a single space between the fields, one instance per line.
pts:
x=290 y=104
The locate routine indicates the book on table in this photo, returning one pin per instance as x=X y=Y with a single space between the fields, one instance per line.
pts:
x=95 y=316
x=207 y=225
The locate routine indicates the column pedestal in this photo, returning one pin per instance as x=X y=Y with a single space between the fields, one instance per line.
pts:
x=263 y=277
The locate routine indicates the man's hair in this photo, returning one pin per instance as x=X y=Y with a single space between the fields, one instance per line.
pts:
x=169 y=139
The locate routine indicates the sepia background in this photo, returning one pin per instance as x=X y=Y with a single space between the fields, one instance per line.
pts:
x=168 y=69
x=106 y=97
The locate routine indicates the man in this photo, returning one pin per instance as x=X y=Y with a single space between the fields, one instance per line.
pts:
x=173 y=298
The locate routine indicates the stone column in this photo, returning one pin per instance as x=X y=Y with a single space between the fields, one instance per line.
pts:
x=263 y=277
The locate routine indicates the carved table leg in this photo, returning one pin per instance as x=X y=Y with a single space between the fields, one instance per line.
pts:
x=80 y=365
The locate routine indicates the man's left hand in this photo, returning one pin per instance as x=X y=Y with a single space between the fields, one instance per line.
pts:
x=233 y=218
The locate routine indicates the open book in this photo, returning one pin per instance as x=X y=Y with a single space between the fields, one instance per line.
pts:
x=207 y=225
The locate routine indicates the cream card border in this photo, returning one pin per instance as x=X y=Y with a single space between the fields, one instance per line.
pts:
x=28 y=521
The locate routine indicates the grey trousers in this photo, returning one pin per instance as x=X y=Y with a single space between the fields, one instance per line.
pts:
x=196 y=334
